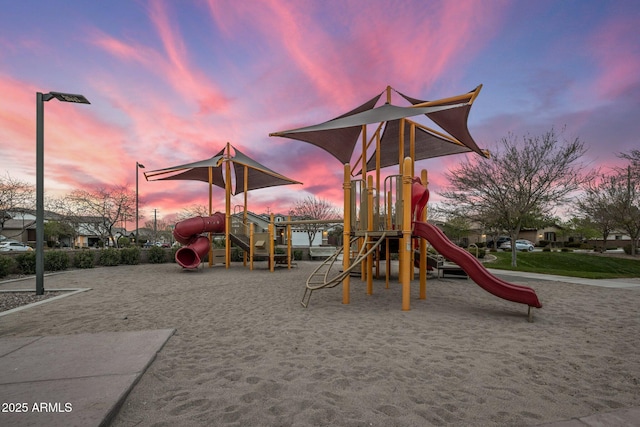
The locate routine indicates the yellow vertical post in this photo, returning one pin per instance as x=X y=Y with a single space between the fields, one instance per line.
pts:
x=346 y=258
x=423 y=245
x=412 y=146
x=252 y=242
x=388 y=246
x=272 y=249
x=405 y=247
x=289 y=243
x=368 y=242
x=244 y=212
x=412 y=154
x=401 y=147
x=210 y=213
x=227 y=202
x=377 y=207
x=364 y=152
x=387 y=266
x=401 y=172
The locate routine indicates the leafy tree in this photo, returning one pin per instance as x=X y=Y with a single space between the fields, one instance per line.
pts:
x=55 y=230
x=522 y=183
x=312 y=208
x=14 y=195
x=581 y=228
x=457 y=227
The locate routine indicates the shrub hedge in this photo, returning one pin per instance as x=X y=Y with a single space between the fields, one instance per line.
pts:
x=130 y=256
x=157 y=255
x=84 y=259
x=109 y=257
x=7 y=264
x=56 y=261
x=27 y=263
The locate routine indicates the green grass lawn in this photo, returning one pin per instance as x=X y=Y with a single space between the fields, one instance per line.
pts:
x=586 y=265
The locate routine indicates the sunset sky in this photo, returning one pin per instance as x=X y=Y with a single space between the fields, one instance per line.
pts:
x=172 y=82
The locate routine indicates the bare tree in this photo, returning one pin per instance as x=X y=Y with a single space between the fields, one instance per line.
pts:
x=596 y=203
x=161 y=228
x=14 y=195
x=633 y=157
x=613 y=201
x=101 y=209
x=193 y=210
x=521 y=184
x=312 y=208
x=626 y=205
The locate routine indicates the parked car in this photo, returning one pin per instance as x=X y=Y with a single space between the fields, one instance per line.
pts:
x=521 y=245
x=500 y=241
x=14 y=247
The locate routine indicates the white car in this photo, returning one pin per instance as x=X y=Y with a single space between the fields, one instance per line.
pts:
x=14 y=246
x=521 y=245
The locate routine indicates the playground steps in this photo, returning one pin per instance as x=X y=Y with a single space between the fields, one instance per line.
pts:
x=241 y=241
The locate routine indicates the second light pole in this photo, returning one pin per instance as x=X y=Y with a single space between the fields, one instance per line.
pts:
x=138 y=166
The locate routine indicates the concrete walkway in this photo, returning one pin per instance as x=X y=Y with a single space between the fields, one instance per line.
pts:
x=72 y=380
x=631 y=283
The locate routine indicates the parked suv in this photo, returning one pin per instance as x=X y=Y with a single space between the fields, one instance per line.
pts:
x=501 y=240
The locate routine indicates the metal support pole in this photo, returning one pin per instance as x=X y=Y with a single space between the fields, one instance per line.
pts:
x=138 y=166
x=40 y=98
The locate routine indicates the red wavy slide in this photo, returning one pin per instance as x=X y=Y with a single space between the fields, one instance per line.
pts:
x=473 y=267
x=188 y=232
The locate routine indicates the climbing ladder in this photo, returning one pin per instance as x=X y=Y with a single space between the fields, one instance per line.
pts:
x=319 y=278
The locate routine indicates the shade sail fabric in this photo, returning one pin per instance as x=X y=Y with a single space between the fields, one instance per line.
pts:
x=427 y=145
x=339 y=136
x=194 y=171
x=454 y=121
x=259 y=176
x=338 y=141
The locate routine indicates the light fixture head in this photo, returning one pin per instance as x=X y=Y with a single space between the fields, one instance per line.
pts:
x=70 y=97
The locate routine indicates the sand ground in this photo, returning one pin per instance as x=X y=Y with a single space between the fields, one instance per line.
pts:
x=245 y=353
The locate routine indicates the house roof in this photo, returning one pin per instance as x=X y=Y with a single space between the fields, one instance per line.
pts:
x=19 y=224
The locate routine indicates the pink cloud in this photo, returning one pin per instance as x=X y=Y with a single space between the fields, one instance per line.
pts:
x=172 y=65
x=380 y=45
x=615 y=47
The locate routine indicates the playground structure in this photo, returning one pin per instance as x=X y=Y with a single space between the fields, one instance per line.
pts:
x=217 y=171
x=378 y=210
x=189 y=233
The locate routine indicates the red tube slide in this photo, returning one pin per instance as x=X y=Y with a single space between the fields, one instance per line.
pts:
x=188 y=232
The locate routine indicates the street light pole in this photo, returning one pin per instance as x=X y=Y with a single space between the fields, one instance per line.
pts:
x=138 y=166
x=40 y=100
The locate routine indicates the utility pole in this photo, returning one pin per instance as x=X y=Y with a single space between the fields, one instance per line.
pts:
x=155 y=226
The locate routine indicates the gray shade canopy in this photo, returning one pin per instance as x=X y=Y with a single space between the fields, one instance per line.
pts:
x=339 y=136
x=258 y=175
